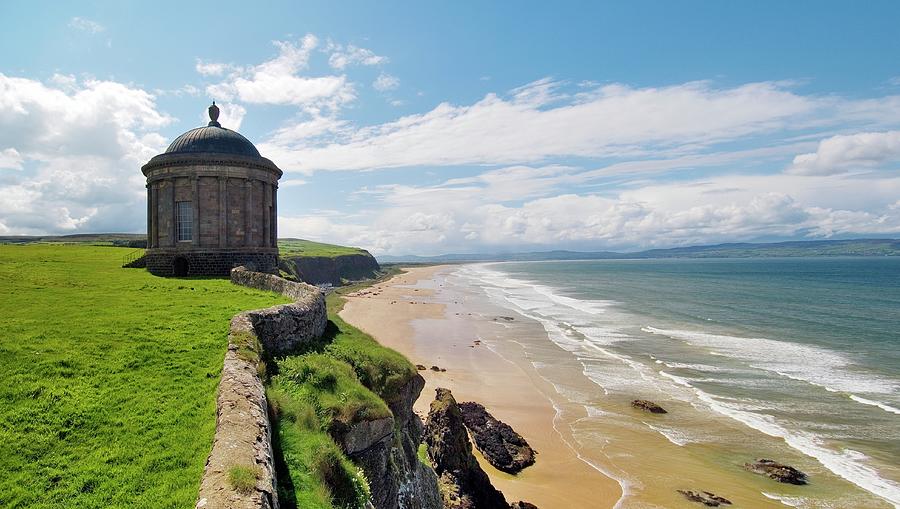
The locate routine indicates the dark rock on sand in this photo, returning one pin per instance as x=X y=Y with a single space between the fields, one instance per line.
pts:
x=420 y=367
x=522 y=505
x=704 y=497
x=464 y=485
x=501 y=445
x=648 y=406
x=435 y=368
x=777 y=471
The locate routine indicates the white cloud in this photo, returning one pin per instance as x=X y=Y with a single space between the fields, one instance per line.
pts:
x=343 y=56
x=507 y=208
x=277 y=81
x=849 y=152
x=212 y=68
x=81 y=146
x=539 y=122
x=86 y=25
x=10 y=159
x=385 y=82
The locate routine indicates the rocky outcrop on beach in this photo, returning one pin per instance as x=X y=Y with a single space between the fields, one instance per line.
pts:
x=704 y=497
x=648 y=406
x=522 y=505
x=505 y=449
x=777 y=471
x=464 y=485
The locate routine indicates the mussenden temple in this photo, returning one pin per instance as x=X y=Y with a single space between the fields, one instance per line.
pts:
x=211 y=205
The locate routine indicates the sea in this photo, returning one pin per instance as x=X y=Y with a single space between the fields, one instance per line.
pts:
x=797 y=358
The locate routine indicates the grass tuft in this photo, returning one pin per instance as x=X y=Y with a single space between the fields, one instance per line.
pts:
x=243 y=478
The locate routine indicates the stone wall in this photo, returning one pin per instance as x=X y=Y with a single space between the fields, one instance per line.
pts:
x=243 y=436
x=161 y=262
x=283 y=328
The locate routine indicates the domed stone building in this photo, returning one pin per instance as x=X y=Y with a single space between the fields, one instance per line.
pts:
x=211 y=204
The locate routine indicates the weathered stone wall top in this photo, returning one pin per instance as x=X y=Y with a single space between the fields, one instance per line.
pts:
x=243 y=438
x=302 y=293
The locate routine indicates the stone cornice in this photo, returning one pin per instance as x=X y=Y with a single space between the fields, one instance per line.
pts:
x=198 y=159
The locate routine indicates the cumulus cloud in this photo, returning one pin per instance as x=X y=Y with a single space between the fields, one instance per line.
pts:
x=342 y=56
x=482 y=213
x=212 y=68
x=80 y=146
x=843 y=153
x=10 y=159
x=385 y=82
x=86 y=25
x=277 y=81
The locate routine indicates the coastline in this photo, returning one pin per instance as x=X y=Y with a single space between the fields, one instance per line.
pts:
x=572 y=397
x=394 y=313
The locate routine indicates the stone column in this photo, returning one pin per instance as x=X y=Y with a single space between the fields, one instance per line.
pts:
x=248 y=215
x=275 y=215
x=149 y=217
x=154 y=214
x=223 y=215
x=173 y=234
x=195 y=205
x=267 y=216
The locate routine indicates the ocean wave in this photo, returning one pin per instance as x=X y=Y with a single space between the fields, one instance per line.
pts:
x=788 y=501
x=847 y=463
x=675 y=436
x=817 y=366
x=883 y=406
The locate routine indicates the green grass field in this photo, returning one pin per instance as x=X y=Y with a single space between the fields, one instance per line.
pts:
x=297 y=247
x=109 y=378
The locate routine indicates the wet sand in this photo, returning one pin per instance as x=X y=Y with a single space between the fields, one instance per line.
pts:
x=397 y=317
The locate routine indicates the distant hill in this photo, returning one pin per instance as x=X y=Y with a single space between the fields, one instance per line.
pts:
x=852 y=247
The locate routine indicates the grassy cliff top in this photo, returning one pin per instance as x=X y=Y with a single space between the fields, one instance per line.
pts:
x=109 y=377
x=299 y=247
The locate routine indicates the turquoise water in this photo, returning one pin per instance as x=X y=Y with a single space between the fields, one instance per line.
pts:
x=803 y=350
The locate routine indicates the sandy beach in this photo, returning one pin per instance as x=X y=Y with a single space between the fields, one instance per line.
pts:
x=390 y=311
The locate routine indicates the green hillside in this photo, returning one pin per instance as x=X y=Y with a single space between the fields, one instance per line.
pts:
x=109 y=378
x=299 y=247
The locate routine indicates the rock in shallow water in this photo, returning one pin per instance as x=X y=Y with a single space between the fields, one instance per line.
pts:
x=777 y=471
x=648 y=406
x=505 y=449
x=704 y=497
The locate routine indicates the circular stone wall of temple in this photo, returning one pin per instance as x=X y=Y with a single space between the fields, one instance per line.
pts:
x=211 y=205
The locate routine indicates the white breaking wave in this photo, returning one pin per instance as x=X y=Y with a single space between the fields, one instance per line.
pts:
x=675 y=436
x=846 y=463
x=883 y=406
x=818 y=366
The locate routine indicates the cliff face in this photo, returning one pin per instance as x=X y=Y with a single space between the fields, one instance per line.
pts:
x=318 y=270
x=386 y=451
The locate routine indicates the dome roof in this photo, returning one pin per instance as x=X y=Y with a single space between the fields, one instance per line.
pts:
x=213 y=139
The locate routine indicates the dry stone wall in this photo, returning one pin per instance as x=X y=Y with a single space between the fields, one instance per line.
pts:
x=243 y=438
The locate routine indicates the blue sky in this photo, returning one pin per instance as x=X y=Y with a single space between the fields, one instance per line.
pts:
x=469 y=126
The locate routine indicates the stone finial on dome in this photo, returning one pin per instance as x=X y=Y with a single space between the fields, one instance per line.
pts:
x=214 y=115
